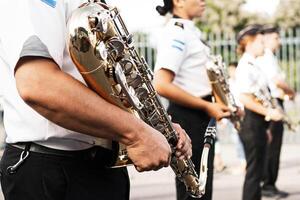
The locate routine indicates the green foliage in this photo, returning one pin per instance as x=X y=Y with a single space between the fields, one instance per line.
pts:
x=288 y=14
x=228 y=16
x=225 y=16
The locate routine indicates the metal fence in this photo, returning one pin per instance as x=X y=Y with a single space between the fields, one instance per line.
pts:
x=225 y=44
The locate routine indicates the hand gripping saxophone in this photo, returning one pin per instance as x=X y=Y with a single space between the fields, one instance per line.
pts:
x=263 y=95
x=219 y=80
x=102 y=50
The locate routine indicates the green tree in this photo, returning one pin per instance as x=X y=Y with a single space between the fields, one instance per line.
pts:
x=288 y=14
x=227 y=16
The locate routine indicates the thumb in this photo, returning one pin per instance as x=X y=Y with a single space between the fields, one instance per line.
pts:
x=224 y=108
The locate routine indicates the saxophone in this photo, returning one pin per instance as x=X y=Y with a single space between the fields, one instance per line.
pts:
x=102 y=49
x=216 y=71
x=263 y=95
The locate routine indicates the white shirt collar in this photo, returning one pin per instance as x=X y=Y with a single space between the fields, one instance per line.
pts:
x=250 y=58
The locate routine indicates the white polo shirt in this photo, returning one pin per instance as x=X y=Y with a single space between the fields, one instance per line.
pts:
x=181 y=51
x=249 y=77
x=270 y=67
x=45 y=19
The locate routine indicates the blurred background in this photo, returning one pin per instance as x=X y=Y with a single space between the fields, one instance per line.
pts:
x=222 y=20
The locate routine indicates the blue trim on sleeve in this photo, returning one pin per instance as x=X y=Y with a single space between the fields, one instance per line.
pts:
x=51 y=3
x=178 y=41
x=176 y=47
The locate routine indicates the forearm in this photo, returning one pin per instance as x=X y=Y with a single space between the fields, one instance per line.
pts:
x=251 y=104
x=285 y=87
x=67 y=102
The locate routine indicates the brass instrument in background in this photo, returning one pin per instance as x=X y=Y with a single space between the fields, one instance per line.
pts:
x=102 y=49
x=263 y=95
x=216 y=71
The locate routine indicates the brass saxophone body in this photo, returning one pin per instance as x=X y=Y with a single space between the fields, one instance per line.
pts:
x=263 y=95
x=216 y=71
x=102 y=49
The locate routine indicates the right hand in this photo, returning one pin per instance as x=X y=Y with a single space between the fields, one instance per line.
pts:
x=218 y=111
x=240 y=112
x=275 y=114
x=150 y=151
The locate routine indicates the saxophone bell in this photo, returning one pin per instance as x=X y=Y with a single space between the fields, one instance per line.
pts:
x=102 y=49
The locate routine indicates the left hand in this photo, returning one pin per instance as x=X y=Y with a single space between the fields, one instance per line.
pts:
x=184 y=145
x=292 y=95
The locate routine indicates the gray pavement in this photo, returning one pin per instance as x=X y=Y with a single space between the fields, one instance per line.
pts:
x=227 y=186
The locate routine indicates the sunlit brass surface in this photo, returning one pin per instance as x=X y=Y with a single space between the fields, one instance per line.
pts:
x=264 y=96
x=218 y=77
x=102 y=50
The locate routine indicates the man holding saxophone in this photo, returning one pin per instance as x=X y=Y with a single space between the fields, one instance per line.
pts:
x=59 y=132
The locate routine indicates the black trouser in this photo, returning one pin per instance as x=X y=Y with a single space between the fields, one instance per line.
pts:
x=273 y=152
x=50 y=177
x=195 y=123
x=254 y=139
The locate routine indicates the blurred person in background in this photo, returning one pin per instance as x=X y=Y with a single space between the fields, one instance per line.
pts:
x=2 y=132
x=219 y=164
x=181 y=77
x=280 y=90
x=234 y=133
x=225 y=126
x=253 y=129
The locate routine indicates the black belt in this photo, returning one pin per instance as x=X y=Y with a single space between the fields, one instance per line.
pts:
x=92 y=153
x=101 y=156
x=33 y=147
x=104 y=156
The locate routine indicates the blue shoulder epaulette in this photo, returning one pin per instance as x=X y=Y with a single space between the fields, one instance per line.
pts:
x=51 y=3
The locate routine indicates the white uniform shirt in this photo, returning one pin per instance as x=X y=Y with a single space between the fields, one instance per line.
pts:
x=46 y=19
x=270 y=67
x=233 y=86
x=181 y=51
x=248 y=75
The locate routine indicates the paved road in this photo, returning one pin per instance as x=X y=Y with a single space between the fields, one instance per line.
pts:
x=160 y=185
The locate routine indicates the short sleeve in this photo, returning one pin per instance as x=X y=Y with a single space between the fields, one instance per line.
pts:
x=27 y=18
x=243 y=80
x=34 y=47
x=171 y=49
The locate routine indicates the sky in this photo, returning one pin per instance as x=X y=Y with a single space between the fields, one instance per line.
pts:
x=267 y=6
x=140 y=15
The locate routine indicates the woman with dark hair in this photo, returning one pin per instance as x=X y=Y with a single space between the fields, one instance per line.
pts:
x=253 y=130
x=181 y=77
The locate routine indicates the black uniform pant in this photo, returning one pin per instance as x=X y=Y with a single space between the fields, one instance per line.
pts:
x=50 y=177
x=195 y=123
x=253 y=137
x=273 y=152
